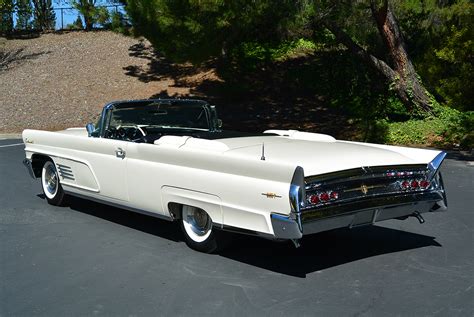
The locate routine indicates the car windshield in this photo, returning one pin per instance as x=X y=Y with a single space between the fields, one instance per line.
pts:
x=161 y=115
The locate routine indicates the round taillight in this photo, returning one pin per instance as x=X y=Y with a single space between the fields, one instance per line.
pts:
x=424 y=184
x=324 y=196
x=314 y=199
x=334 y=195
x=405 y=184
x=415 y=184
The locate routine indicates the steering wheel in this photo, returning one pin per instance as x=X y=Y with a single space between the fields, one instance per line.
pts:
x=130 y=133
x=110 y=133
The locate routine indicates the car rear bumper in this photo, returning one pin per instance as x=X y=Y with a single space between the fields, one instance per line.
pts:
x=361 y=213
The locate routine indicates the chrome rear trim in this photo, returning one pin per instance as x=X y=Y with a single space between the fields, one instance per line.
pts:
x=435 y=164
x=371 y=203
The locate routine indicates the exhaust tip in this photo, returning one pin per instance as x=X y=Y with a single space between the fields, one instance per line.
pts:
x=418 y=216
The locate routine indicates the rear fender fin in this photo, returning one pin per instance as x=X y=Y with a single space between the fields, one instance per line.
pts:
x=435 y=164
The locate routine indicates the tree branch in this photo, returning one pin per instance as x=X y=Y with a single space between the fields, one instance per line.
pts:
x=359 y=51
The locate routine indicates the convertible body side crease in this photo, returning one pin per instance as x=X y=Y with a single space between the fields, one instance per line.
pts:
x=169 y=158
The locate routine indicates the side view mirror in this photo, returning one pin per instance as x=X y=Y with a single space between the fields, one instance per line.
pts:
x=90 y=128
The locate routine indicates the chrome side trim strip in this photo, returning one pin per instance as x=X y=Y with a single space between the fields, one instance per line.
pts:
x=243 y=231
x=79 y=187
x=66 y=172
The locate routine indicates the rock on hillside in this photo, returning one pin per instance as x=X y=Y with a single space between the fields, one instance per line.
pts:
x=63 y=80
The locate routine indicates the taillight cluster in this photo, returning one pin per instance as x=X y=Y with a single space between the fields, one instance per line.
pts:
x=399 y=173
x=323 y=197
x=397 y=182
x=414 y=184
x=409 y=180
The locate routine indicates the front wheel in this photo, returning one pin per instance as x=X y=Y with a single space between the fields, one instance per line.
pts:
x=197 y=228
x=52 y=188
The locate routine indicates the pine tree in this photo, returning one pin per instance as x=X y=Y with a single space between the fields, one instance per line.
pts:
x=44 y=16
x=6 y=16
x=24 y=14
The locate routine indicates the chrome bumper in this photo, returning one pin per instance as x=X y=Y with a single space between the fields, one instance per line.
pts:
x=29 y=167
x=353 y=215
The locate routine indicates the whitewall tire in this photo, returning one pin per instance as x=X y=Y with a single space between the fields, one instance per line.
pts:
x=51 y=185
x=198 y=231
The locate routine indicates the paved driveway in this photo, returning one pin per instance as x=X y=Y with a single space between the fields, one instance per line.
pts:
x=91 y=259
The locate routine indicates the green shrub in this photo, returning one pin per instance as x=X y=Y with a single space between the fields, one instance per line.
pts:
x=118 y=23
x=450 y=128
x=76 y=25
x=102 y=16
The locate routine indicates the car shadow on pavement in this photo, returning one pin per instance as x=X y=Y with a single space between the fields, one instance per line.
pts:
x=317 y=252
x=325 y=250
x=148 y=224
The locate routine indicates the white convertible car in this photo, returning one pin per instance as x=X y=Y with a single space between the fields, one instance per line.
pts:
x=168 y=158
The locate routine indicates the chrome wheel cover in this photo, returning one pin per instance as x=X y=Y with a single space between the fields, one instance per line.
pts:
x=50 y=180
x=197 y=223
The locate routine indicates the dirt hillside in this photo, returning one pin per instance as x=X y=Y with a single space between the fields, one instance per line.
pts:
x=63 y=80
x=57 y=81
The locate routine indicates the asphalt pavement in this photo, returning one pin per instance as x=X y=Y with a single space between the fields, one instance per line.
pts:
x=89 y=259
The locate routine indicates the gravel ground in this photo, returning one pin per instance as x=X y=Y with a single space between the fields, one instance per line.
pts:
x=63 y=80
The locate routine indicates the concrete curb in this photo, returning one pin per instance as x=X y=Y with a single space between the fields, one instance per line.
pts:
x=10 y=136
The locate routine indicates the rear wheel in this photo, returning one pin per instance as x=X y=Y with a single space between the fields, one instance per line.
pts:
x=197 y=228
x=52 y=188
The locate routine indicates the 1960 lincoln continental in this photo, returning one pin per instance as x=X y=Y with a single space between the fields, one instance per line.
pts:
x=169 y=158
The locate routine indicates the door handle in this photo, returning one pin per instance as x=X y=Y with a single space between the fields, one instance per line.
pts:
x=119 y=152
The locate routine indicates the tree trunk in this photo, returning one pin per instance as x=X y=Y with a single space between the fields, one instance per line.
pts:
x=87 y=9
x=88 y=15
x=402 y=75
x=407 y=83
x=88 y=23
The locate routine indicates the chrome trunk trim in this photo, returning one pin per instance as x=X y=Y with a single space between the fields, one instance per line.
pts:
x=360 y=173
x=371 y=203
x=384 y=201
x=364 y=183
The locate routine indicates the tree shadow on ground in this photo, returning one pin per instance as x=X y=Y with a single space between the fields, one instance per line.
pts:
x=318 y=252
x=12 y=58
x=158 y=67
x=289 y=95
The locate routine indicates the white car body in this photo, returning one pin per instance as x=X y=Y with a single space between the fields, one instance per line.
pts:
x=254 y=184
